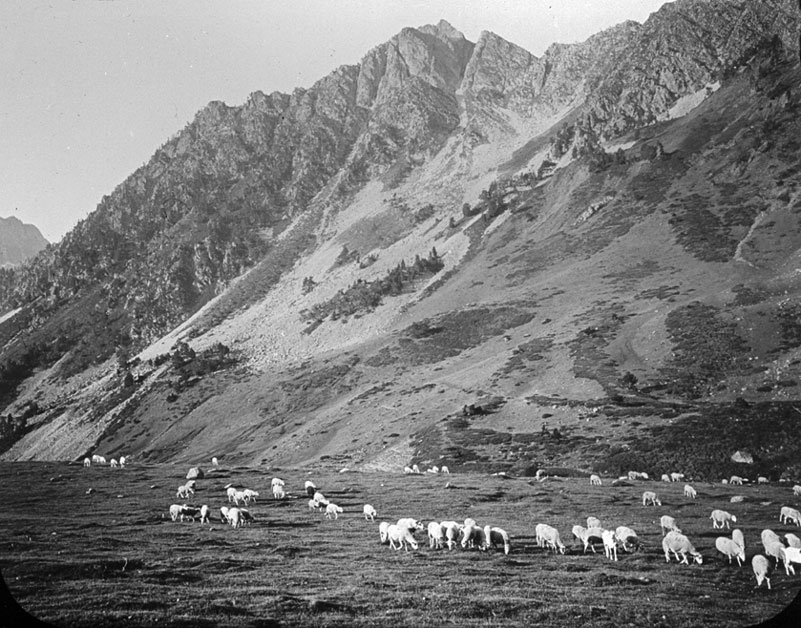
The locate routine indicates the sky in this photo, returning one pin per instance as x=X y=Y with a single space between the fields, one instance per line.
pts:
x=89 y=89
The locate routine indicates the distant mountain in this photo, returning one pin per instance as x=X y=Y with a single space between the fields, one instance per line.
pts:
x=448 y=251
x=18 y=241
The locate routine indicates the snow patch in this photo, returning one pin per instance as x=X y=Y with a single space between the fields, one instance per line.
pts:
x=686 y=104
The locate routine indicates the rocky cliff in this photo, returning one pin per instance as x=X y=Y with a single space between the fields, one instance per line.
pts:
x=18 y=241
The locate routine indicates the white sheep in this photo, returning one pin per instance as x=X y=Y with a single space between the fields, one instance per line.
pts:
x=797 y=490
x=593 y=522
x=278 y=491
x=768 y=536
x=204 y=514
x=190 y=512
x=383 y=532
x=690 y=492
x=370 y=512
x=649 y=497
x=246 y=517
x=407 y=470
x=737 y=537
x=444 y=469
x=332 y=509
x=736 y=480
x=610 y=544
x=436 y=535
x=415 y=468
x=235 y=517
x=592 y=535
x=792 y=556
x=761 y=567
x=215 y=462
x=665 y=477
x=668 y=523
x=790 y=515
x=123 y=460
x=679 y=544
x=451 y=529
x=401 y=536
x=251 y=495
x=175 y=512
x=777 y=550
x=113 y=464
x=547 y=535
x=230 y=491
x=276 y=482
x=411 y=524
x=96 y=458
x=627 y=537
x=310 y=488
x=473 y=536
x=792 y=540
x=721 y=518
x=730 y=549
x=580 y=532
x=314 y=504
x=434 y=469
x=87 y=462
x=240 y=496
x=762 y=480
x=676 y=477
x=493 y=537
x=186 y=489
x=320 y=498
x=224 y=510
x=595 y=480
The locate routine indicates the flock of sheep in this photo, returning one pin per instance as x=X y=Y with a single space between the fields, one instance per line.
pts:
x=470 y=535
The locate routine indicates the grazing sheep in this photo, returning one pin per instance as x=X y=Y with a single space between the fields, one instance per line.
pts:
x=230 y=491
x=451 y=529
x=314 y=504
x=592 y=536
x=240 y=496
x=401 y=536
x=224 y=510
x=278 y=491
x=175 y=512
x=768 y=536
x=776 y=549
x=665 y=477
x=320 y=498
x=580 y=532
x=436 y=535
x=123 y=460
x=473 y=536
x=680 y=545
x=549 y=536
x=610 y=544
x=190 y=512
x=676 y=477
x=370 y=512
x=245 y=517
x=792 y=556
x=407 y=470
x=595 y=480
x=721 y=518
x=235 y=517
x=415 y=468
x=411 y=524
x=649 y=497
x=690 y=492
x=434 y=469
x=311 y=489
x=761 y=567
x=736 y=479
x=628 y=538
x=790 y=515
x=729 y=548
x=797 y=490
x=215 y=462
x=276 y=482
x=251 y=495
x=637 y=475
x=95 y=458
x=87 y=462
x=737 y=537
x=668 y=523
x=383 y=532
x=792 y=540
x=332 y=509
x=113 y=464
x=593 y=522
x=185 y=490
x=762 y=480
x=494 y=537
x=204 y=514
x=444 y=469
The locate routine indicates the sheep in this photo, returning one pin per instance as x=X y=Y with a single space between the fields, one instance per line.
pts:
x=175 y=512
x=776 y=549
x=797 y=490
x=87 y=462
x=444 y=469
x=730 y=548
x=494 y=537
x=580 y=532
x=320 y=498
x=690 y=492
x=411 y=524
x=592 y=535
x=792 y=555
x=407 y=470
x=235 y=517
x=415 y=468
x=768 y=536
x=721 y=518
x=251 y=495
x=224 y=510
x=230 y=491
x=370 y=512
x=278 y=491
x=204 y=514
x=680 y=545
x=649 y=497
x=762 y=480
x=434 y=469
x=676 y=477
x=276 y=482
x=332 y=509
x=383 y=533
x=113 y=464
x=736 y=480
x=549 y=536
x=240 y=496
x=185 y=490
x=610 y=544
x=470 y=522
x=737 y=537
x=314 y=504
x=246 y=517
x=593 y=522
x=790 y=515
x=665 y=477
x=402 y=536
x=761 y=567
x=668 y=523
x=215 y=462
x=792 y=540
x=627 y=537
x=595 y=480
x=123 y=460
x=451 y=529
x=436 y=535
x=310 y=488
x=190 y=512
x=96 y=458
x=473 y=536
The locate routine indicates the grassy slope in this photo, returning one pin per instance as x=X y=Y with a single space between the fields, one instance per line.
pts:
x=114 y=556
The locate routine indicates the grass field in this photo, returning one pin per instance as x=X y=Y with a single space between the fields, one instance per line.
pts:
x=113 y=556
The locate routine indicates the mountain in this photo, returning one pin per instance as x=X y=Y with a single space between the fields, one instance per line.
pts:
x=18 y=241
x=452 y=252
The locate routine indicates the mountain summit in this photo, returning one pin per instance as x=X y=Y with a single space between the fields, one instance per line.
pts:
x=18 y=241
x=450 y=251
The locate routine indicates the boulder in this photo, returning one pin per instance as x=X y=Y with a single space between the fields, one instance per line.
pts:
x=742 y=456
x=195 y=473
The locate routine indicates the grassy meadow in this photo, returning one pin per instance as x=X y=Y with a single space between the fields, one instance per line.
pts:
x=71 y=557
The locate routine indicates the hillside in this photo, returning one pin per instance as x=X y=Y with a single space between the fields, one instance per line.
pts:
x=18 y=241
x=451 y=251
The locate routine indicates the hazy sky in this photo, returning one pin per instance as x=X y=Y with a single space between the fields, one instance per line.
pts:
x=90 y=89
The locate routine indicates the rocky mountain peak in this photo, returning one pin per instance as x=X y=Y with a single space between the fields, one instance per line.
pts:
x=18 y=241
